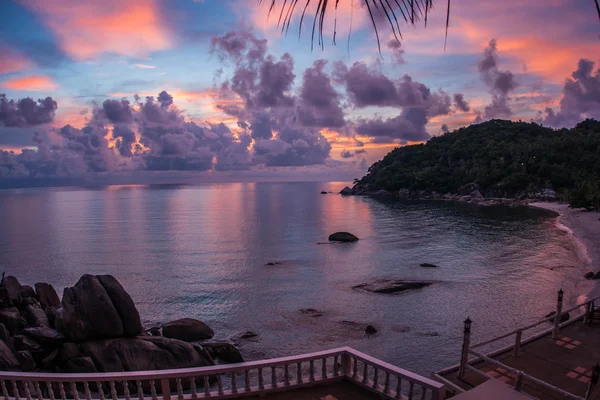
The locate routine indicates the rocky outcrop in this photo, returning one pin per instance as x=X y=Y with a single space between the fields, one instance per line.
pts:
x=141 y=354
x=47 y=295
x=347 y=191
x=188 y=330
x=13 y=287
x=223 y=350
x=130 y=317
x=391 y=286
x=342 y=237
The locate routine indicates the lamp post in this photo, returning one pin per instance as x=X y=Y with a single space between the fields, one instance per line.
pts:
x=464 y=358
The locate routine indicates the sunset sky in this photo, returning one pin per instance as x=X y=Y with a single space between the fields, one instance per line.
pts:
x=237 y=96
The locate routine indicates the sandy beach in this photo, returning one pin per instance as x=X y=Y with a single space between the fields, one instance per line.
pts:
x=585 y=226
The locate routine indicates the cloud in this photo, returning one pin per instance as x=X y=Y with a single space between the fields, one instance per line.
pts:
x=30 y=83
x=13 y=61
x=395 y=48
x=580 y=98
x=445 y=128
x=349 y=154
x=26 y=112
x=87 y=29
x=461 y=103
x=144 y=66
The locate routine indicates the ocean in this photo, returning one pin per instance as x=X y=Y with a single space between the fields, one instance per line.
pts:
x=200 y=251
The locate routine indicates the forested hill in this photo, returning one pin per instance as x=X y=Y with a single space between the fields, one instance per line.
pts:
x=505 y=158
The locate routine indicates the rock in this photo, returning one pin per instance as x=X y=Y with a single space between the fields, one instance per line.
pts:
x=6 y=337
x=12 y=320
x=597 y=275
x=47 y=295
x=563 y=316
x=312 y=312
x=346 y=191
x=14 y=289
x=80 y=365
x=401 y=328
x=323 y=192
x=26 y=360
x=589 y=275
x=391 y=286
x=271 y=263
x=370 y=330
x=468 y=189
x=36 y=316
x=144 y=353
x=132 y=325
x=188 y=330
x=430 y=334
x=427 y=265
x=155 y=331
x=23 y=342
x=8 y=361
x=248 y=335
x=404 y=193
x=476 y=195
x=52 y=313
x=50 y=362
x=342 y=237
x=89 y=313
x=4 y=298
x=27 y=292
x=69 y=351
x=382 y=193
x=45 y=336
x=224 y=350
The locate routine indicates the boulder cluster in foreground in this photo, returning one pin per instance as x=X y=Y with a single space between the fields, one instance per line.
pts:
x=95 y=328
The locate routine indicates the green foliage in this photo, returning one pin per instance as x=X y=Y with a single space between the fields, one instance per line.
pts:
x=505 y=158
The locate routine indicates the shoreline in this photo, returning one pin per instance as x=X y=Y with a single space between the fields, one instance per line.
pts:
x=585 y=228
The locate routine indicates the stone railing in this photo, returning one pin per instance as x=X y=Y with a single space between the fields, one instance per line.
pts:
x=227 y=381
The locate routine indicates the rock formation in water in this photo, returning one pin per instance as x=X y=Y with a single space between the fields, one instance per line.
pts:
x=342 y=237
x=95 y=328
x=391 y=286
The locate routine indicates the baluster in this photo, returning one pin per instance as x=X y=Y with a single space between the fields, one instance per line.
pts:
x=4 y=391
x=38 y=391
x=299 y=373
x=140 y=391
x=375 y=377
x=386 y=387
x=261 y=383
x=411 y=389
x=48 y=385
x=192 y=387
x=86 y=390
x=153 y=390
x=399 y=388
x=179 y=388
x=220 y=384
x=273 y=377
x=16 y=390
x=27 y=391
x=355 y=370
x=423 y=392
x=336 y=365
x=61 y=389
x=311 y=371
x=206 y=386
x=365 y=373
x=324 y=368
x=126 y=391
x=247 y=380
x=286 y=375
x=113 y=390
x=74 y=391
x=100 y=390
x=233 y=383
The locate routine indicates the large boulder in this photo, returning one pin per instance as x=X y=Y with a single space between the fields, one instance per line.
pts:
x=187 y=329
x=342 y=237
x=476 y=195
x=223 y=350
x=6 y=337
x=143 y=353
x=45 y=336
x=27 y=292
x=36 y=316
x=47 y=295
x=13 y=287
x=347 y=191
x=69 y=351
x=12 y=320
x=468 y=189
x=89 y=313
x=26 y=360
x=80 y=365
x=8 y=361
x=132 y=325
x=4 y=297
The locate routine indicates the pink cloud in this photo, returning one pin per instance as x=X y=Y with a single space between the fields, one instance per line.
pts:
x=31 y=82
x=13 y=61
x=86 y=29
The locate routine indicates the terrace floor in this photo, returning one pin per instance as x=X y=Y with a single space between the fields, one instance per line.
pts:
x=565 y=363
x=340 y=390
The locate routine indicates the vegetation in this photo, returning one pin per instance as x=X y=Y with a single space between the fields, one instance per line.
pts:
x=505 y=158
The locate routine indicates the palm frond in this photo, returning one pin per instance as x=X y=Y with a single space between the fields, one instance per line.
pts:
x=412 y=11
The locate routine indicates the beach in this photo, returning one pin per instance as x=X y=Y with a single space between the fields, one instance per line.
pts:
x=585 y=226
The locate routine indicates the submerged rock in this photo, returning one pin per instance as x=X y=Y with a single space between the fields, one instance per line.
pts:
x=342 y=237
x=271 y=263
x=427 y=265
x=188 y=330
x=248 y=335
x=311 y=312
x=391 y=286
x=370 y=330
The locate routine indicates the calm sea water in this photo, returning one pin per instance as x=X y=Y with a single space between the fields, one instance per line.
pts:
x=200 y=251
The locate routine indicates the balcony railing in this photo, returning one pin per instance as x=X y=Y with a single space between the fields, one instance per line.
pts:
x=227 y=381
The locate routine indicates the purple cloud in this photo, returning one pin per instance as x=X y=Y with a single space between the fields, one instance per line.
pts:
x=26 y=112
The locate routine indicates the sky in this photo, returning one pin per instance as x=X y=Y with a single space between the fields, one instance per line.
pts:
x=144 y=90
